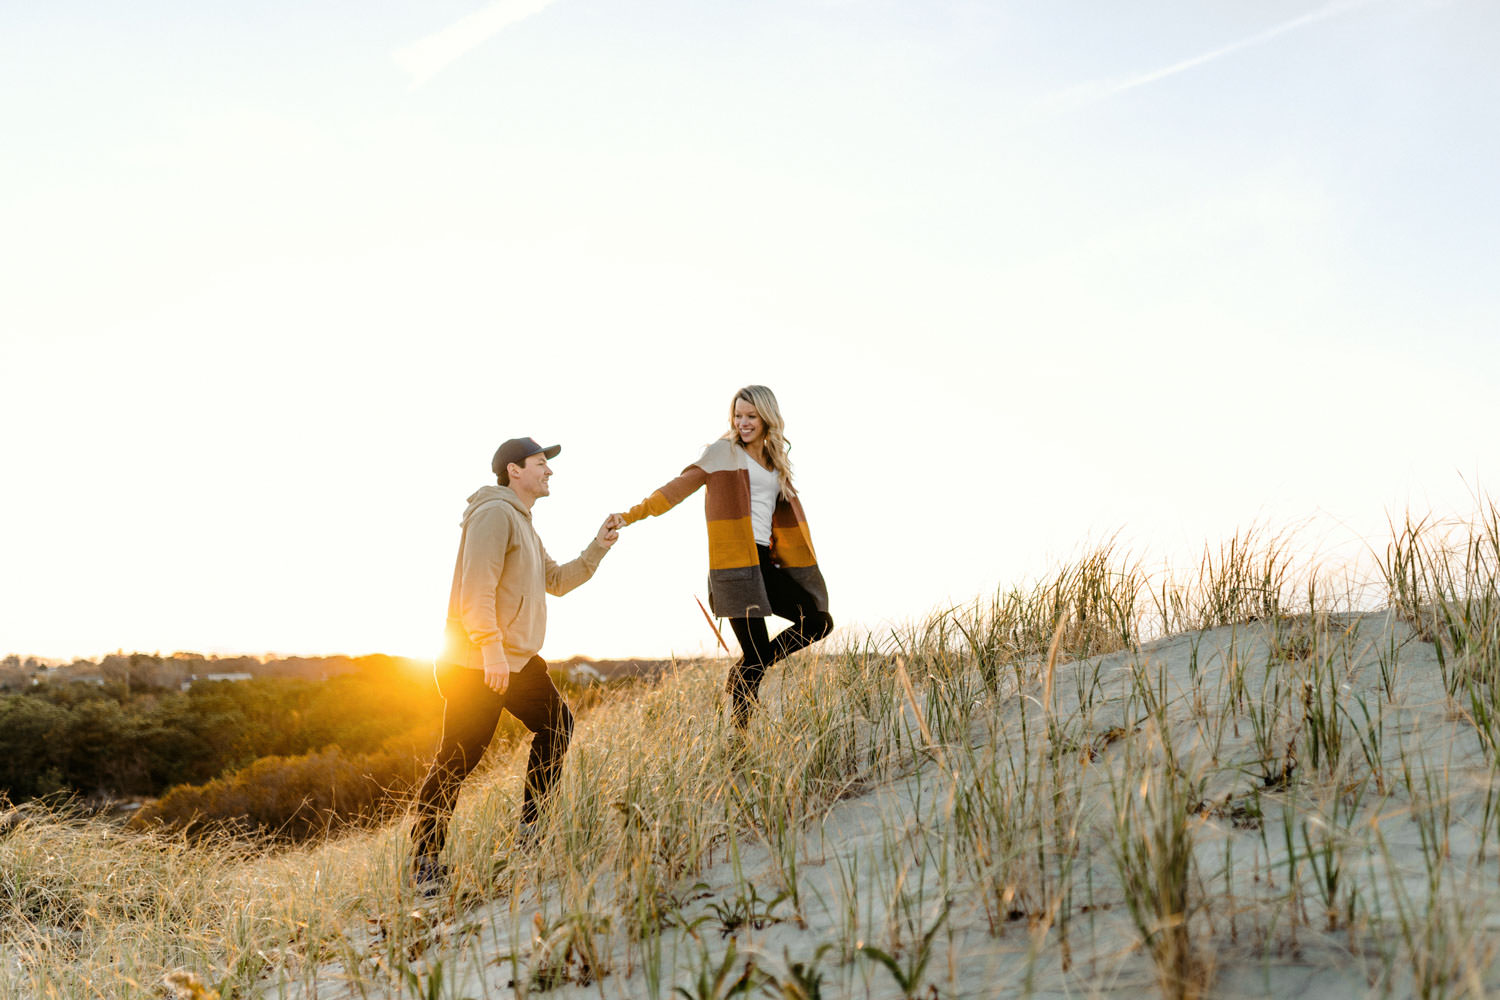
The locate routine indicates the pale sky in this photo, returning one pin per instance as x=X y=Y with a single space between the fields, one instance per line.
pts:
x=276 y=280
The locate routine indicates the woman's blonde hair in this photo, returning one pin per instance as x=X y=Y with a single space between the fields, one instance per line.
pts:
x=777 y=446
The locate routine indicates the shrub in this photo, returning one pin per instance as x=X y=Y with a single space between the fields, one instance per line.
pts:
x=292 y=798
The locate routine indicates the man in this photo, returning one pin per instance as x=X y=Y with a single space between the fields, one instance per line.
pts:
x=497 y=616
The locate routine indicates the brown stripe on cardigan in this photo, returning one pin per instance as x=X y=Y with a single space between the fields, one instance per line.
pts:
x=728 y=495
x=793 y=543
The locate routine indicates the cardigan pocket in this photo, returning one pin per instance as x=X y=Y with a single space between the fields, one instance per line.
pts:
x=739 y=592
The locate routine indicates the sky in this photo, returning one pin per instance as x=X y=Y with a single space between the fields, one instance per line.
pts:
x=276 y=279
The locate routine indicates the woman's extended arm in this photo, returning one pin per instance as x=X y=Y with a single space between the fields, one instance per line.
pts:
x=669 y=496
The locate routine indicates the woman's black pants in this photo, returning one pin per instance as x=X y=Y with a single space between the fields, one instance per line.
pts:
x=788 y=600
x=471 y=711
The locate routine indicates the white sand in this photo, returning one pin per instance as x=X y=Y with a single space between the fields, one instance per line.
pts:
x=1253 y=937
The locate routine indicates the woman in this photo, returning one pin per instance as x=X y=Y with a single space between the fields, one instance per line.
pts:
x=760 y=555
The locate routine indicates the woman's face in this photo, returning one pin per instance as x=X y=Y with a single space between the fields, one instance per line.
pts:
x=747 y=422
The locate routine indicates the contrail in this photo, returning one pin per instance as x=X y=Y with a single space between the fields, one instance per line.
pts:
x=1098 y=90
x=427 y=57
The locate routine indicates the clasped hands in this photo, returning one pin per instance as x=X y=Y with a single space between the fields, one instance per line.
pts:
x=609 y=531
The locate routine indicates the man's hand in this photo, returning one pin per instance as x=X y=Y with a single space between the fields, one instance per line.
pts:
x=497 y=673
x=609 y=531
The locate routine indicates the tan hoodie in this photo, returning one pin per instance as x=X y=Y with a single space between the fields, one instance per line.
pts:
x=500 y=582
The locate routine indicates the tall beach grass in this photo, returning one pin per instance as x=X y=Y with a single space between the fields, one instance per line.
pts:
x=1224 y=780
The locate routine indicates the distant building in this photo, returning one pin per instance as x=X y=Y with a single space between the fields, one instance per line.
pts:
x=196 y=678
x=584 y=673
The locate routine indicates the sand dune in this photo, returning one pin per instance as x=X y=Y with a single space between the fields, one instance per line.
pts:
x=1331 y=877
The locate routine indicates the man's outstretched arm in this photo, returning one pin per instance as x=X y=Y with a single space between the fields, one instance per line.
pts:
x=563 y=577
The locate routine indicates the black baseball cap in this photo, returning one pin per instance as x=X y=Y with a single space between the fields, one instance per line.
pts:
x=518 y=450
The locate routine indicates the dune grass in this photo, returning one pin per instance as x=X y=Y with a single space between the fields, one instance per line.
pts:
x=1234 y=780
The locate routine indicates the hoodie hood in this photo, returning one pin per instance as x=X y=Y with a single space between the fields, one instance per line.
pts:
x=486 y=495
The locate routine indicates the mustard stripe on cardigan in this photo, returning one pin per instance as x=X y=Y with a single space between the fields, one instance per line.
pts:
x=735 y=586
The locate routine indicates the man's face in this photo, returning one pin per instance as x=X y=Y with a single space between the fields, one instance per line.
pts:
x=531 y=478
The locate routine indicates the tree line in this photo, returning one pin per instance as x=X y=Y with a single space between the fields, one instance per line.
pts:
x=126 y=738
x=155 y=670
x=274 y=756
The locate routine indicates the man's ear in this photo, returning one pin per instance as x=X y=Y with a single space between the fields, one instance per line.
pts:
x=512 y=470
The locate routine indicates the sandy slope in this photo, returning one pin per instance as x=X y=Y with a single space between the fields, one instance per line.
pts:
x=1408 y=916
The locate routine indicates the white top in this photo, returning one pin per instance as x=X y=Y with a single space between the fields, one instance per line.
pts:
x=764 y=485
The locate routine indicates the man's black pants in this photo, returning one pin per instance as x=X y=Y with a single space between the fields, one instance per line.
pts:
x=790 y=601
x=471 y=711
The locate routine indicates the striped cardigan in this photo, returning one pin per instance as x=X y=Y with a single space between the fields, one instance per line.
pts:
x=735 y=586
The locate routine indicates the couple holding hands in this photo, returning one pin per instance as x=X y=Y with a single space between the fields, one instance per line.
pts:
x=761 y=563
